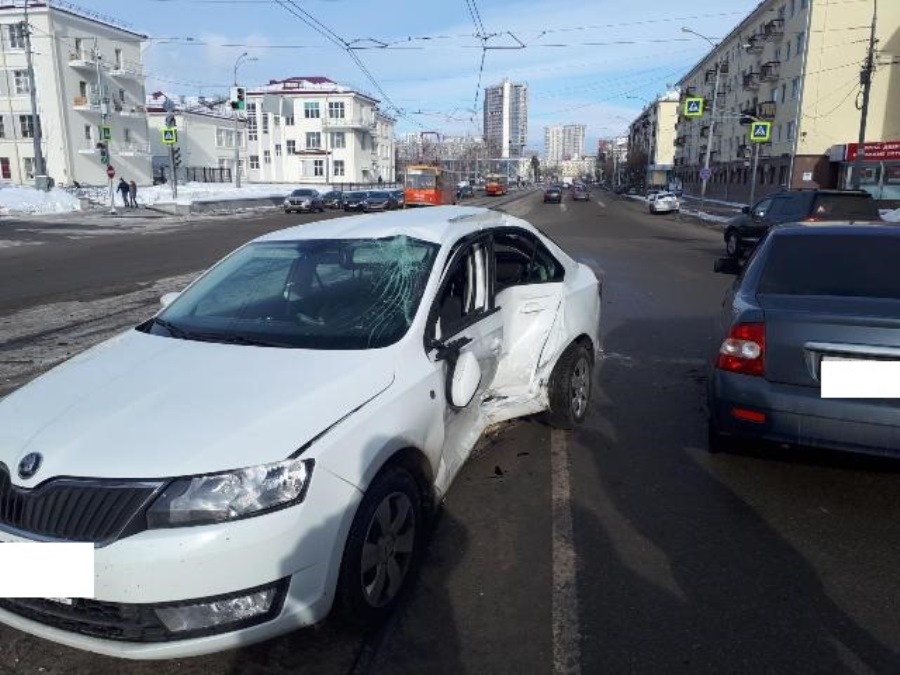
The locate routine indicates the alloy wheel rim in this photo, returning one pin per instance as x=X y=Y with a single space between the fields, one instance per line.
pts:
x=387 y=549
x=732 y=245
x=581 y=386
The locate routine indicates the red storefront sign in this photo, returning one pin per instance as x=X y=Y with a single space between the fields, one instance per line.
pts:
x=875 y=152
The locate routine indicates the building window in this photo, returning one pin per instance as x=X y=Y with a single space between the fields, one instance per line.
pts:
x=265 y=123
x=787 y=52
x=338 y=140
x=267 y=157
x=336 y=110
x=783 y=93
x=254 y=161
x=252 y=129
x=26 y=125
x=790 y=131
x=318 y=167
x=793 y=8
x=803 y=4
x=127 y=135
x=276 y=119
x=795 y=87
x=781 y=11
x=28 y=166
x=220 y=138
x=311 y=110
x=278 y=150
x=5 y=169
x=118 y=60
x=313 y=140
x=289 y=121
x=338 y=167
x=292 y=147
x=3 y=128
x=121 y=96
x=801 y=37
x=15 y=36
x=21 y=79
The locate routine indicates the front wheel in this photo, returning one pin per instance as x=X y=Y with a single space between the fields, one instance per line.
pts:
x=733 y=244
x=382 y=548
x=570 y=387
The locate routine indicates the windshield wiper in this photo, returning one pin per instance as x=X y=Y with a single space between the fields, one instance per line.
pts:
x=230 y=339
x=251 y=341
x=174 y=330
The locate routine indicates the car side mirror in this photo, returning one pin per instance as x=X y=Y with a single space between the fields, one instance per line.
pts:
x=168 y=298
x=727 y=266
x=745 y=210
x=465 y=376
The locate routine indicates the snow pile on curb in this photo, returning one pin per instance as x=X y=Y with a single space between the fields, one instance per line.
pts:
x=18 y=199
x=708 y=217
x=891 y=216
x=189 y=193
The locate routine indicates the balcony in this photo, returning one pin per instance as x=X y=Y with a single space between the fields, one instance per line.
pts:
x=770 y=71
x=766 y=110
x=131 y=149
x=122 y=73
x=774 y=29
x=87 y=104
x=127 y=110
x=755 y=44
x=723 y=67
x=352 y=123
x=83 y=59
x=751 y=81
x=87 y=146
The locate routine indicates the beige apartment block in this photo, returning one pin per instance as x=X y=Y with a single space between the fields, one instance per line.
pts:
x=795 y=64
x=651 y=143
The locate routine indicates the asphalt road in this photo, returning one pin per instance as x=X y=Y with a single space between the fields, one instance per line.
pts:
x=620 y=547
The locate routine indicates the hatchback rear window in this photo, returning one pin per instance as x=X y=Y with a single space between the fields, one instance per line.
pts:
x=844 y=207
x=837 y=265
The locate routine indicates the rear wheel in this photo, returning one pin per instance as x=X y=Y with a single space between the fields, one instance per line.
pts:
x=382 y=548
x=570 y=387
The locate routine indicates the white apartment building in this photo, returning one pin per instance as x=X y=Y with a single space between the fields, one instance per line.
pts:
x=651 y=143
x=206 y=138
x=312 y=130
x=796 y=64
x=564 y=142
x=88 y=75
x=506 y=119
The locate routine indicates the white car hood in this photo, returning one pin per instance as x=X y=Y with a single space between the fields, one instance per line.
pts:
x=145 y=406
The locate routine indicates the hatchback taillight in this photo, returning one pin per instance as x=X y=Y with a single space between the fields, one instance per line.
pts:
x=744 y=350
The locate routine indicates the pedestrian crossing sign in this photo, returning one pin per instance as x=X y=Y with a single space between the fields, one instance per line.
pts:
x=761 y=132
x=169 y=135
x=105 y=132
x=693 y=107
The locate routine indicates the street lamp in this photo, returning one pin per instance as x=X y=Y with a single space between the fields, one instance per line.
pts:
x=712 y=121
x=237 y=145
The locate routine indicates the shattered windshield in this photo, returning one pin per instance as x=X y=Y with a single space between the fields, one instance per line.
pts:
x=312 y=294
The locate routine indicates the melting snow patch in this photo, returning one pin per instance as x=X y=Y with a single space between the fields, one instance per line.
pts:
x=18 y=199
x=891 y=216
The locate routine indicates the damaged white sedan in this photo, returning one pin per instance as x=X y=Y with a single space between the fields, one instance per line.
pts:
x=270 y=445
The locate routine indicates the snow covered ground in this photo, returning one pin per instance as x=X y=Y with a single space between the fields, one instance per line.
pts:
x=18 y=200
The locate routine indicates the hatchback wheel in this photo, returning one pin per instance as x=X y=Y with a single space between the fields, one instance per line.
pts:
x=570 y=387
x=382 y=548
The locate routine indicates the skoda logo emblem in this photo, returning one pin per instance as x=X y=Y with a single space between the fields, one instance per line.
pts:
x=30 y=464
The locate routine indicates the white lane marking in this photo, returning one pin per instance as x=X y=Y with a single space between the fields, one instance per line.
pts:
x=563 y=206
x=601 y=203
x=566 y=630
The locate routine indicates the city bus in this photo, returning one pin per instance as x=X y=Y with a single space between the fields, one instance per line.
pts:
x=428 y=186
x=495 y=185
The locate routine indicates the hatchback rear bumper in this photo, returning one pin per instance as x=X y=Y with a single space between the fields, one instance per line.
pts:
x=799 y=416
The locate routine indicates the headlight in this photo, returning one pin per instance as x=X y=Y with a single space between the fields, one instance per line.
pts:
x=228 y=496
x=287 y=202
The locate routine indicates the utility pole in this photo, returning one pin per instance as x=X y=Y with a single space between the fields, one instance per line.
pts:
x=865 y=79
x=39 y=169
x=755 y=166
x=709 y=140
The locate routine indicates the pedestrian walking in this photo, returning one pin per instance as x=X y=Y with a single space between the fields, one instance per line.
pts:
x=125 y=189
x=380 y=181
x=132 y=193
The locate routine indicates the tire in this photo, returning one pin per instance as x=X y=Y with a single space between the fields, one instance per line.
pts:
x=367 y=590
x=569 y=390
x=287 y=210
x=732 y=244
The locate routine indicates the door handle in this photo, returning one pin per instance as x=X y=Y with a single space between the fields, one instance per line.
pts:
x=532 y=308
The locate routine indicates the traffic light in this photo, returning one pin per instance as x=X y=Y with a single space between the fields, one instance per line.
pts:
x=104 y=153
x=238 y=98
x=170 y=120
x=176 y=156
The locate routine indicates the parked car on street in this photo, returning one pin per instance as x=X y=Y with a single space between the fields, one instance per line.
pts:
x=304 y=200
x=664 y=202
x=271 y=445
x=810 y=293
x=333 y=199
x=398 y=197
x=355 y=201
x=553 y=194
x=378 y=200
x=465 y=192
x=743 y=231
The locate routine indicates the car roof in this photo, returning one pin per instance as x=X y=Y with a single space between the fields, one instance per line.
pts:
x=836 y=227
x=438 y=224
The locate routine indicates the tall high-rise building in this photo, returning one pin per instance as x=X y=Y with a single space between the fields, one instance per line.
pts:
x=506 y=119
x=564 y=142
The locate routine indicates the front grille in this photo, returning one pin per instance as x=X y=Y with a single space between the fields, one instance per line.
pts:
x=111 y=621
x=73 y=509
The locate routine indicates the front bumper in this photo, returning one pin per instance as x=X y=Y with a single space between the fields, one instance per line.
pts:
x=299 y=546
x=799 y=416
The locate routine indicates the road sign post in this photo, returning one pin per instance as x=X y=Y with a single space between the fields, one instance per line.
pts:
x=705 y=174
x=110 y=174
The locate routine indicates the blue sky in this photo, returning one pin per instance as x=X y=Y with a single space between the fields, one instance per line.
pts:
x=582 y=60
